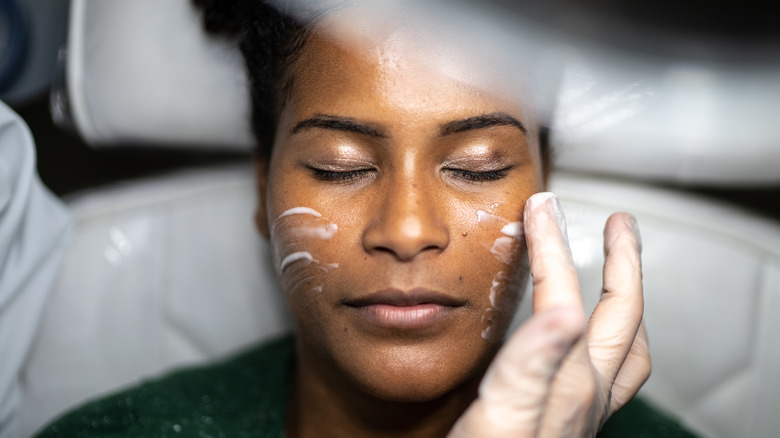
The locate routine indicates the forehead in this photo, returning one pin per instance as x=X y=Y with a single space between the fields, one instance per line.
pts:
x=399 y=66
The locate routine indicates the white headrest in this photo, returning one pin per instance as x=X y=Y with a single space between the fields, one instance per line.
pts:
x=145 y=71
x=669 y=120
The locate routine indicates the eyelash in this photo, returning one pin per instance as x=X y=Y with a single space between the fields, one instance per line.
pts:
x=489 y=175
x=339 y=176
x=350 y=175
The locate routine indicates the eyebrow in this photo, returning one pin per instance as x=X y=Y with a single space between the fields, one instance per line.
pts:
x=348 y=124
x=336 y=123
x=481 y=122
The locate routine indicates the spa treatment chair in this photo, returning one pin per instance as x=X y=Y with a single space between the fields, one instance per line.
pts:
x=169 y=271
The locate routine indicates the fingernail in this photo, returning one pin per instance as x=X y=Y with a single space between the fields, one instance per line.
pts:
x=559 y=217
x=631 y=223
x=554 y=208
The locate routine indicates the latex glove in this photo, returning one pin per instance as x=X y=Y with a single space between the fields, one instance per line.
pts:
x=560 y=375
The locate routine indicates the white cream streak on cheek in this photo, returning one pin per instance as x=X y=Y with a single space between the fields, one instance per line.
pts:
x=504 y=249
x=495 y=287
x=289 y=233
x=294 y=257
x=487 y=319
x=300 y=210
x=324 y=232
x=513 y=229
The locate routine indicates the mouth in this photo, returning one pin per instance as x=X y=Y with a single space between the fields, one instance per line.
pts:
x=404 y=310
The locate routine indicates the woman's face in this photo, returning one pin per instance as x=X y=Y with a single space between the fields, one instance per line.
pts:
x=392 y=200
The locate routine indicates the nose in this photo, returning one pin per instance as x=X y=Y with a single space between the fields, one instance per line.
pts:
x=409 y=221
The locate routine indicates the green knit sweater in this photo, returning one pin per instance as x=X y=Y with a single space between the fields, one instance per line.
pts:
x=246 y=396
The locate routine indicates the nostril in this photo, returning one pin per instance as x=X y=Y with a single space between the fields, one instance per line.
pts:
x=432 y=248
x=404 y=241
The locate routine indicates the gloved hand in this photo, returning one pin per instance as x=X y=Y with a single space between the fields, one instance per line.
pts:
x=560 y=375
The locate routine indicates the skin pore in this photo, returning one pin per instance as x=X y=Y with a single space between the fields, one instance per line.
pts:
x=390 y=179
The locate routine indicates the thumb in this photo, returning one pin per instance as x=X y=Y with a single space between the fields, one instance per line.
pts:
x=514 y=391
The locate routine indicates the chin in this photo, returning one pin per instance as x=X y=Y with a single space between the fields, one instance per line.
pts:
x=419 y=374
x=414 y=389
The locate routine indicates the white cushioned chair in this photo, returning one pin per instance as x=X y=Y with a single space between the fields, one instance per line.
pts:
x=170 y=271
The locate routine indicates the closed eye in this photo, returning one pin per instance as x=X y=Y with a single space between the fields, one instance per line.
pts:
x=339 y=175
x=481 y=176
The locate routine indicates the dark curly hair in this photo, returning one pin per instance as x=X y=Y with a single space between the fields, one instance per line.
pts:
x=271 y=38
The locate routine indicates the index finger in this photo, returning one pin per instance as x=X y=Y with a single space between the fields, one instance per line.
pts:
x=552 y=268
x=514 y=393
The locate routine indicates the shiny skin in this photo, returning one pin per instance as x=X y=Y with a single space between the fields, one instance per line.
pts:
x=405 y=203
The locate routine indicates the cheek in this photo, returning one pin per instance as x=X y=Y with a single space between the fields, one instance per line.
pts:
x=299 y=238
x=503 y=240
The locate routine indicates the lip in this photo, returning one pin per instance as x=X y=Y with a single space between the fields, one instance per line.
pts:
x=407 y=310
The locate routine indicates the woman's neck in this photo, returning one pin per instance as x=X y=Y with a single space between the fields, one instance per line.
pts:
x=324 y=404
